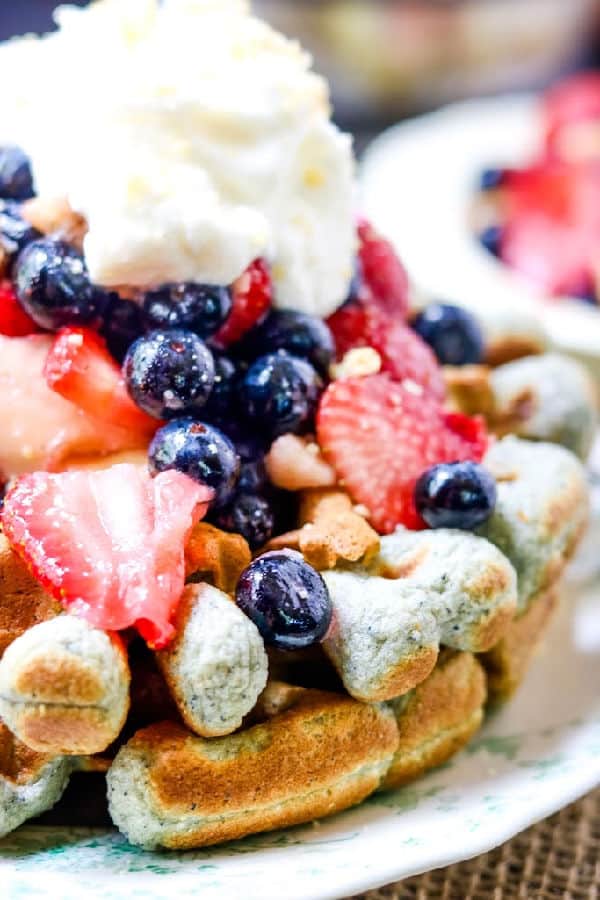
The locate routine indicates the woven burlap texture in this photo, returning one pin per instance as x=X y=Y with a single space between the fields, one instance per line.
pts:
x=559 y=858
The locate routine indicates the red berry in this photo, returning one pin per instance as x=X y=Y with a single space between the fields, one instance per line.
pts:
x=80 y=369
x=383 y=274
x=252 y=298
x=573 y=101
x=109 y=545
x=552 y=225
x=14 y=321
x=403 y=353
x=381 y=435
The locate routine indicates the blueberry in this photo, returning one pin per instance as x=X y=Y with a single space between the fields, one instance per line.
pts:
x=16 y=180
x=250 y=444
x=201 y=308
x=280 y=393
x=300 y=334
x=15 y=231
x=53 y=285
x=453 y=334
x=200 y=451
x=490 y=179
x=491 y=239
x=249 y=515
x=169 y=373
x=222 y=402
x=123 y=324
x=253 y=477
x=455 y=495
x=287 y=600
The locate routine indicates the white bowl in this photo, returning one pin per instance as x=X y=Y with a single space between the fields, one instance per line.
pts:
x=418 y=182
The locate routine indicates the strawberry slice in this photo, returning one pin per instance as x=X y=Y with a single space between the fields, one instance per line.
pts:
x=252 y=298
x=404 y=355
x=40 y=429
x=572 y=102
x=380 y=435
x=14 y=321
x=551 y=230
x=80 y=369
x=109 y=545
x=384 y=277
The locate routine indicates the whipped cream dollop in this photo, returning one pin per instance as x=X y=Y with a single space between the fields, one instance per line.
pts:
x=194 y=139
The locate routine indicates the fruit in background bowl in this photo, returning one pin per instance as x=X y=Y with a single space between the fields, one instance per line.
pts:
x=547 y=219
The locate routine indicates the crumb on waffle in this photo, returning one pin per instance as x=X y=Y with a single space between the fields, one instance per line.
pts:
x=331 y=531
x=216 y=556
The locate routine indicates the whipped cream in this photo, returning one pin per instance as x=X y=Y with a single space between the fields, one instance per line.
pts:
x=193 y=138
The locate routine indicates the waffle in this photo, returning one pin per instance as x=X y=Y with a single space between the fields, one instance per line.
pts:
x=427 y=625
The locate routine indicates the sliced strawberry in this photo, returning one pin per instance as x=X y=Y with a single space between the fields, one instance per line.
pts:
x=403 y=354
x=80 y=369
x=40 y=429
x=383 y=274
x=14 y=321
x=252 y=297
x=573 y=101
x=109 y=545
x=381 y=435
x=551 y=229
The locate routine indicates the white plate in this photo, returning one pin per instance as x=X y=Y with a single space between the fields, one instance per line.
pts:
x=539 y=753
x=418 y=182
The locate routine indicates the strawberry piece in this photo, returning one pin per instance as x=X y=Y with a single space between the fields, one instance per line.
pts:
x=109 y=545
x=404 y=355
x=573 y=101
x=14 y=321
x=80 y=369
x=252 y=298
x=40 y=429
x=384 y=277
x=380 y=435
x=552 y=225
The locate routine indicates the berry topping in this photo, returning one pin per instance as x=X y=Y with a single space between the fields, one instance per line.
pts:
x=16 y=180
x=252 y=296
x=572 y=102
x=279 y=393
x=383 y=275
x=169 y=373
x=551 y=227
x=201 y=308
x=40 y=429
x=80 y=369
x=200 y=451
x=53 y=285
x=249 y=515
x=109 y=545
x=286 y=599
x=123 y=324
x=455 y=495
x=300 y=334
x=454 y=334
x=253 y=477
x=491 y=239
x=14 y=321
x=490 y=179
x=15 y=232
x=380 y=435
x=403 y=354
x=223 y=398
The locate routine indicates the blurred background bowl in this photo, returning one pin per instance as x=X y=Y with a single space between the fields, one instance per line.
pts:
x=387 y=58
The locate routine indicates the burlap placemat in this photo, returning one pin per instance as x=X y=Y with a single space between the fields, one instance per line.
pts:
x=559 y=858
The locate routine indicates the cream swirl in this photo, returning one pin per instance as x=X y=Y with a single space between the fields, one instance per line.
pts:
x=193 y=138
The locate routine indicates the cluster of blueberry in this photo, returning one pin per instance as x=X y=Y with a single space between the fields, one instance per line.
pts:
x=221 y=393
x=175 y=368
